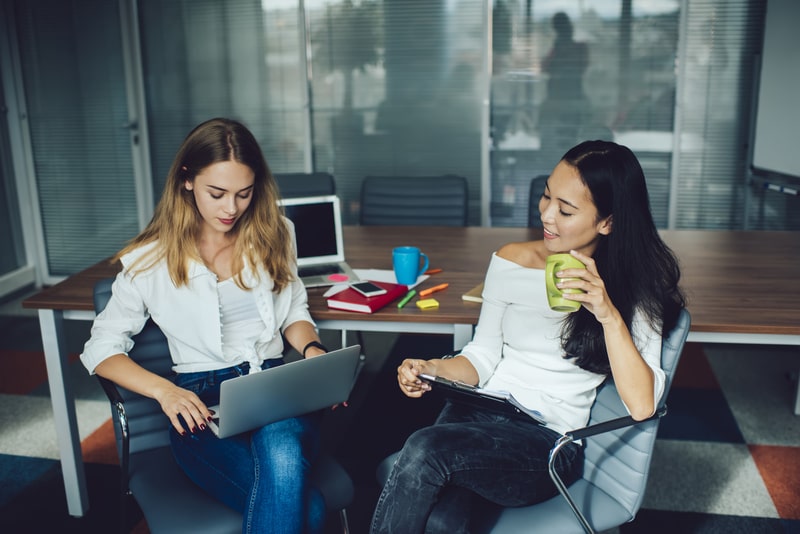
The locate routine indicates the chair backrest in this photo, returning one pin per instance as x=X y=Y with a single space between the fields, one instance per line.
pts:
x=618 y=462
x=534 y=194
x=147 y=423
x=301 y=184
x=615 y=469
x=414 y=201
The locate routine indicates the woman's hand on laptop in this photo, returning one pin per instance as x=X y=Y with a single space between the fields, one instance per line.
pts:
x=179 y=404
x=184 y=408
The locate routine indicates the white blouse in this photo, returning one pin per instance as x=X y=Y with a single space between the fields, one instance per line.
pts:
x=240 y=323
x=517 y=348
x=190 y=316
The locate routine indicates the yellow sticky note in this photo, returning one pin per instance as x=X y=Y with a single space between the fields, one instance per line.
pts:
x=427 y=304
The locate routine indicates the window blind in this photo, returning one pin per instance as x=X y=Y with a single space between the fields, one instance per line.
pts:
x=75 y=94
x=397 y=91
x=239 y=59
x=717 y=72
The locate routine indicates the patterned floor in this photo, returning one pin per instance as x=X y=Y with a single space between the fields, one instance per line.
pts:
x=727 y=459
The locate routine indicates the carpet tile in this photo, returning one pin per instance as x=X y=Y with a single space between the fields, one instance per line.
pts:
x=709 y=477
x=779 y=467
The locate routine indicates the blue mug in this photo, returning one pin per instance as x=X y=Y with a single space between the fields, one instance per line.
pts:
x=406 y=262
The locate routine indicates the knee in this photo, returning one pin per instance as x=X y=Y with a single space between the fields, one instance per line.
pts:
x=422 y=450
x=289 y=433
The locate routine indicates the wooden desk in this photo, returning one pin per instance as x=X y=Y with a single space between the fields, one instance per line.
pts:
x=725 y=295
x=463 y=254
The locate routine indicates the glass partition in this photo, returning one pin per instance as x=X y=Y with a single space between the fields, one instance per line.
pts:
x=239 y=59
x=397 y=91
x=72 y=70
x=570 y=71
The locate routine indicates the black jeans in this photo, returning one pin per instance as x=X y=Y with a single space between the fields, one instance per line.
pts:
x=468 y=455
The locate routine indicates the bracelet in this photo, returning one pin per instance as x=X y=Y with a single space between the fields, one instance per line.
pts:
x=314 y=344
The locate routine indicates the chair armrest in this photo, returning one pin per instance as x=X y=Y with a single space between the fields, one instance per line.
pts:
x=592 y=430
x=612 y=424
x=118 y=407
x=111 y=390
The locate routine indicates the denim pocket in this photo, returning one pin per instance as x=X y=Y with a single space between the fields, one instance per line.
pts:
x=194 y=382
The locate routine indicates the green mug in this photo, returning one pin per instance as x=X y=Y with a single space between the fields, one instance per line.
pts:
x=555 y=296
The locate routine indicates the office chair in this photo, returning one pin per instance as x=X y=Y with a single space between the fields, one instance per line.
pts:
x=169 y=500
x=534 y=195
x=414 y=201
x=615 y=470
x=300 y=184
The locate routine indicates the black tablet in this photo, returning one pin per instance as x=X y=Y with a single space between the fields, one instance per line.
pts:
x=482 y=399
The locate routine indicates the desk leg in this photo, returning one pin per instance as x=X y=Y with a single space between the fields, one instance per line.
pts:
x=462 y=334
x=797 y=398
x=62 y=397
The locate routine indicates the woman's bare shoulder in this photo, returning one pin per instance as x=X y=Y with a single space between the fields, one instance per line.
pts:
x=531 y=254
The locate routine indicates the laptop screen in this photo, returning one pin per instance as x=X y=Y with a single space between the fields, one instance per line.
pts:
x=318 y=228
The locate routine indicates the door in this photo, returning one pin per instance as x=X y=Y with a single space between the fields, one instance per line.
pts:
x=15 y=273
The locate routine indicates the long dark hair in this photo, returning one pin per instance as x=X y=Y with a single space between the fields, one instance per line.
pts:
x=639 y=270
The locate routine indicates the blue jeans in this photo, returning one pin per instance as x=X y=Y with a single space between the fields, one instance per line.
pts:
x=263 y=473
x=469 y=457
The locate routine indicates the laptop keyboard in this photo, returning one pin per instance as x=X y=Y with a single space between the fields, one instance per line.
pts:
x=316 y=270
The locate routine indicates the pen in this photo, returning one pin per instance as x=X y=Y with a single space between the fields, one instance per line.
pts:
x=408 y=297
x=434 y=289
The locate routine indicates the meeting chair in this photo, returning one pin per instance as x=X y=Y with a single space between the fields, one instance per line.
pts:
x=168 y=499
x=414 y=201
x=301 y=184
x=618 y=451
x=534 y=195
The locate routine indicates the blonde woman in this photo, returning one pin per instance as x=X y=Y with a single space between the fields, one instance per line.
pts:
x=216 y=270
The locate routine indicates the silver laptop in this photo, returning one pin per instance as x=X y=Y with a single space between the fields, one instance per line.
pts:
x=320 y=249
x=289 y=390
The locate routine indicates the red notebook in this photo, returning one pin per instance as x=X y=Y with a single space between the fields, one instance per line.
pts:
x=351 y=300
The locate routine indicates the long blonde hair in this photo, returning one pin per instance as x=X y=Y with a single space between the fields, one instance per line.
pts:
x=261 y=235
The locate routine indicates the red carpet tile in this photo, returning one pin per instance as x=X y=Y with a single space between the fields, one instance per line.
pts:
x=23 y=371
x=99 y=447
x=780 y=470
x=694 y=370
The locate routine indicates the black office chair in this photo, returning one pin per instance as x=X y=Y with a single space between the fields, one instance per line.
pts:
x=414 y=201
x=301 y=184
x=534 y=195
x=617 y=455
x=169 y=500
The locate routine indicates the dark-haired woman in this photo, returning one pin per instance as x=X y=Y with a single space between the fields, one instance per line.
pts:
x=595 y=207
